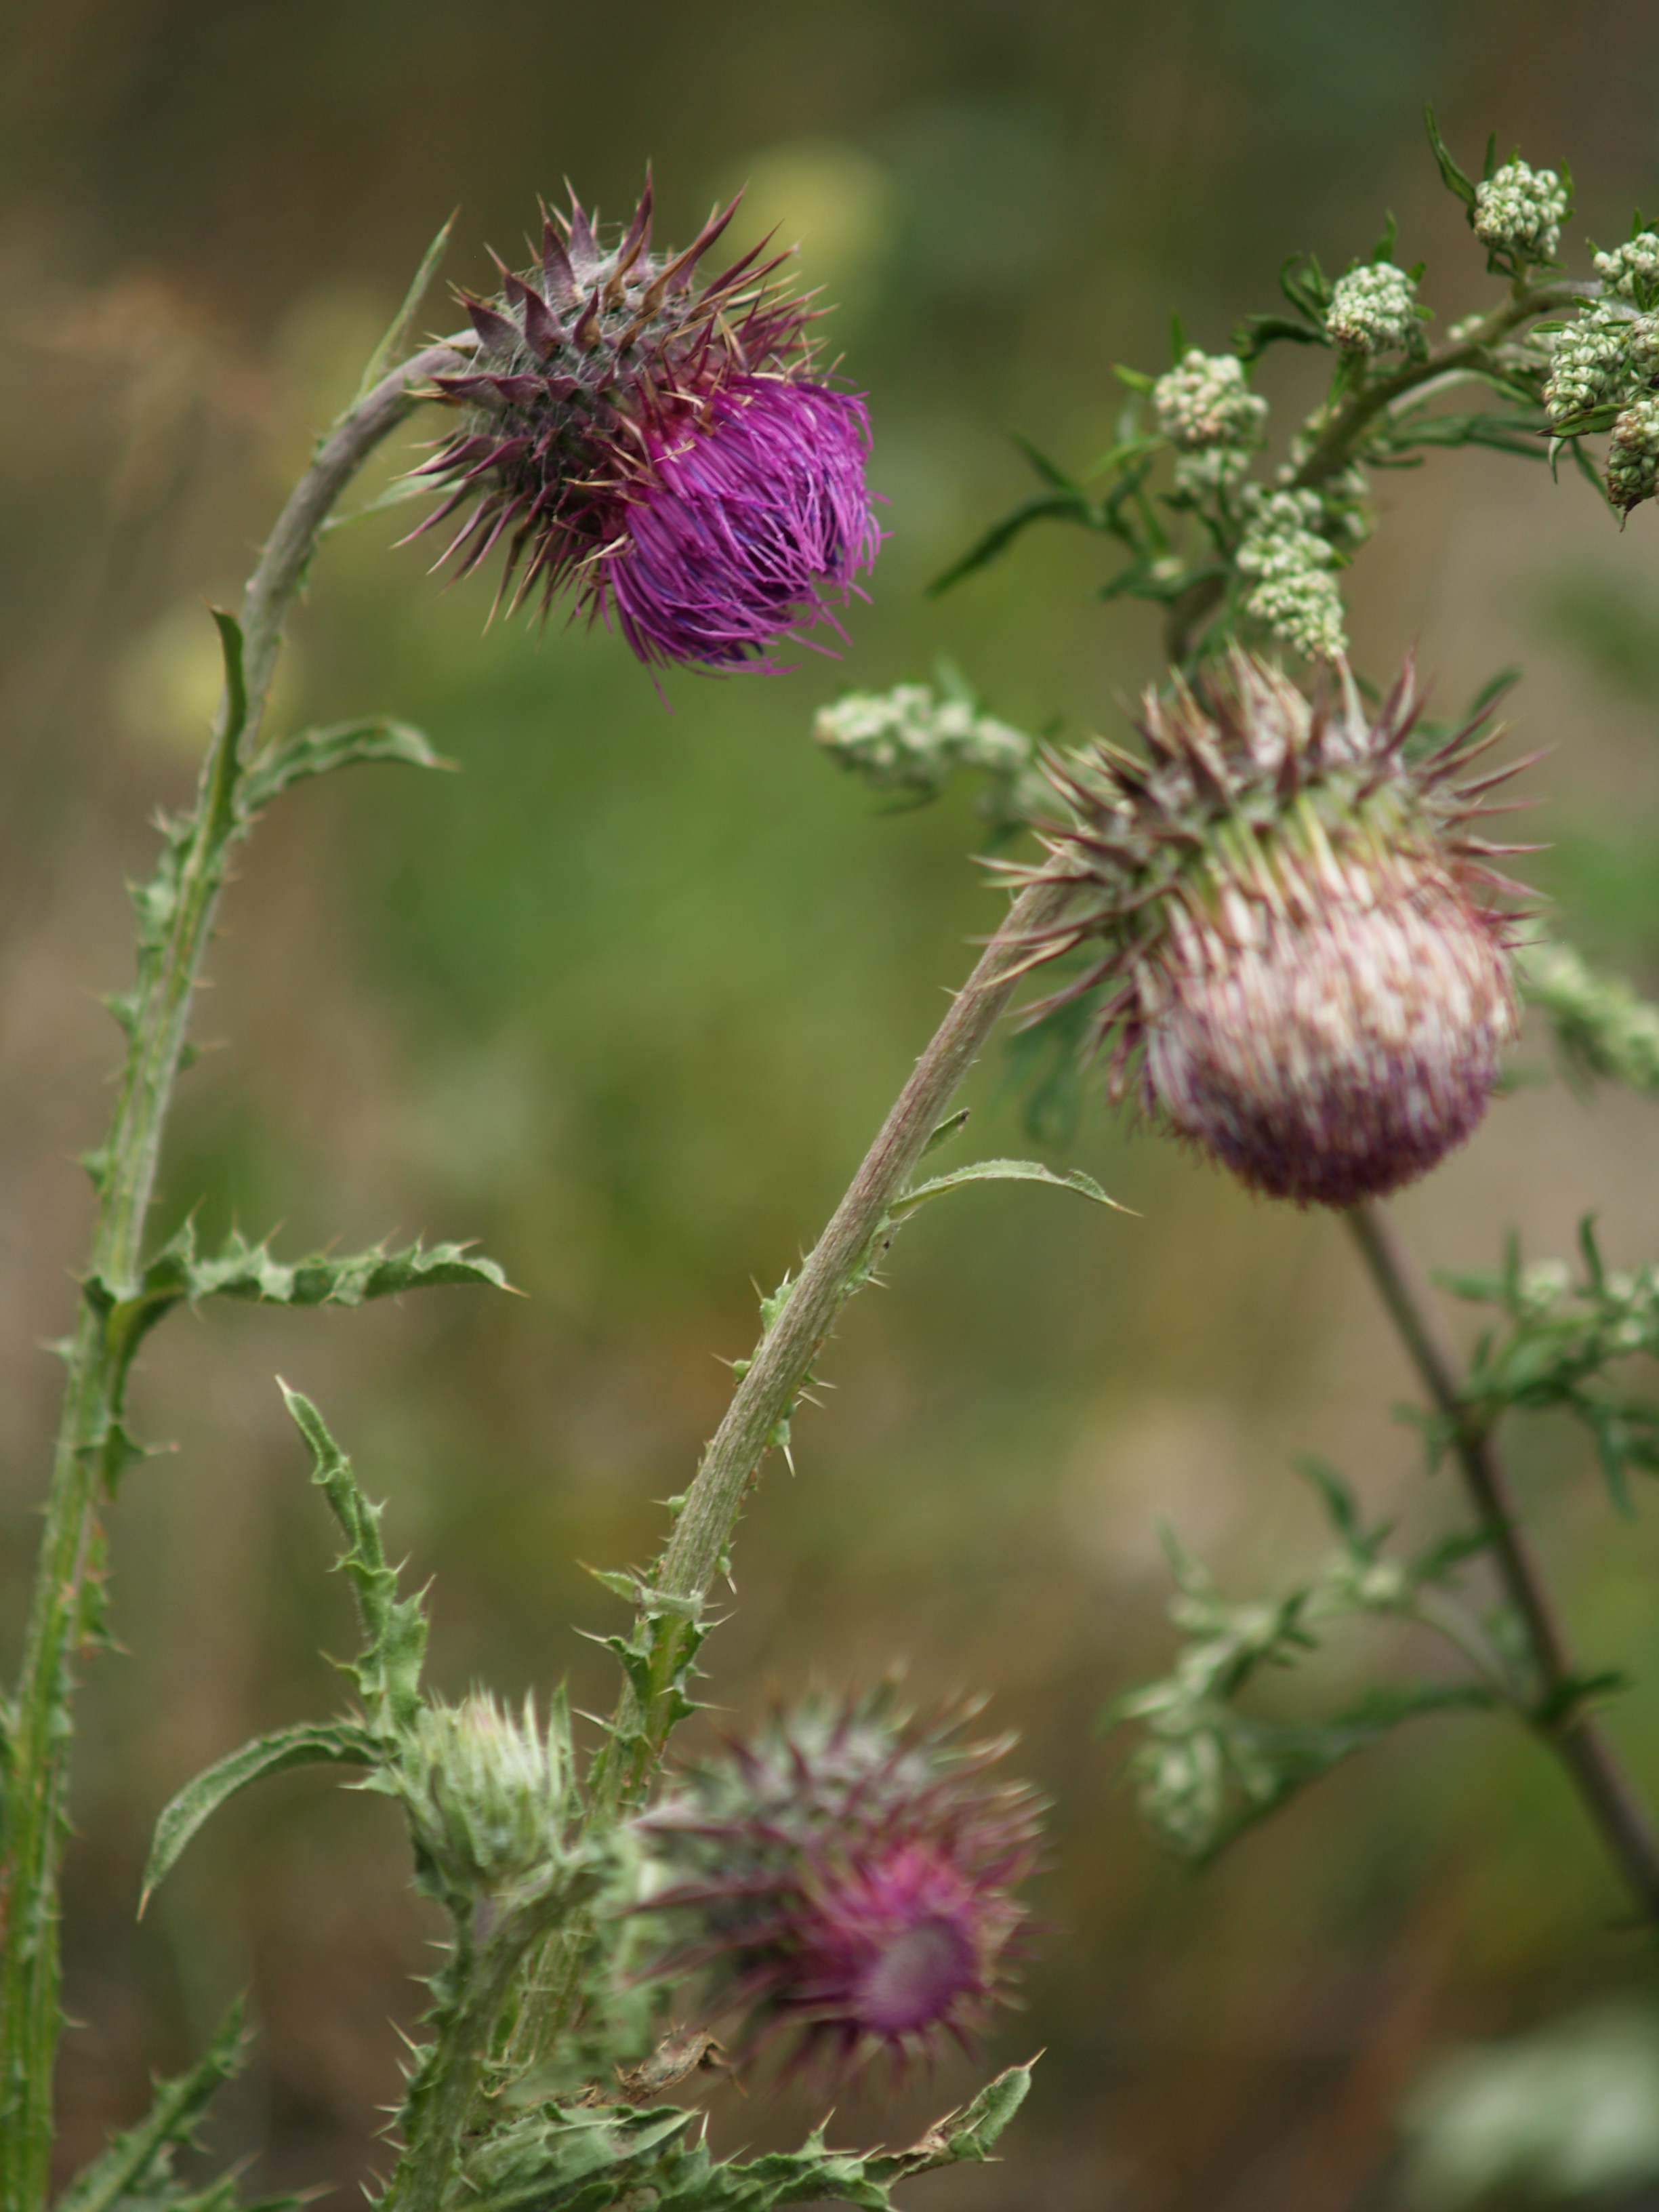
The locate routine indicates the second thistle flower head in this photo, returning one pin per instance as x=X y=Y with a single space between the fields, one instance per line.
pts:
x=848 y=1876
x=1302 y=942
x=657 y=446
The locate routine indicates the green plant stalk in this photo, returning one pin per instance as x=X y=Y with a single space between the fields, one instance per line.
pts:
x=1334 y=446
x=92 y=1446
x=693 y=1559
x=1556 y=1710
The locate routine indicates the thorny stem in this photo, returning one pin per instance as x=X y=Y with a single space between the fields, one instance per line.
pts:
x=92 y=1446
x=695 y=1554
x=1556 y=1709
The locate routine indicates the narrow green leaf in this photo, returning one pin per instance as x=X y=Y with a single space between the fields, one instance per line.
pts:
x=230 y=648
x=1455 y=180
x=946 y=1130
x=395 y=344
x=337 y=1743
x=315 y=752
x=1071 y=507
x=1005 y=1172
x=1136 y=380
x=1050 y=472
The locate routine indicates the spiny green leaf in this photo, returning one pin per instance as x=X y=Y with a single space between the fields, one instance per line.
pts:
x=339 y=1743
x=316 y=752
x=388 y=1674
x=1005 y=1172
x=137 y=2167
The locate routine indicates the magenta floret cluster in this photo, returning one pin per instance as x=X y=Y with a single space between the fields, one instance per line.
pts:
x=845 y=1882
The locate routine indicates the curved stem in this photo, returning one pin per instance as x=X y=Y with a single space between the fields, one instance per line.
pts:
x=691 y=1561
x=1557 y=1710
x=92 y=1447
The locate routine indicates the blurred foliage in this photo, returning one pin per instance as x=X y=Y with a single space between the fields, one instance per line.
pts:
x=624 y=998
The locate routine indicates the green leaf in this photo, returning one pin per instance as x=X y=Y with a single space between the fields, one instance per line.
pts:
x=1455 y=180
x=230 y=648
x=316 y=752
x=1005 y=1172
x=388 y=1674
x=1068 y=507
x=946 y=1130
x=395 y=344
x=1136 y=378
x=137 y=2167
x=337 y=1743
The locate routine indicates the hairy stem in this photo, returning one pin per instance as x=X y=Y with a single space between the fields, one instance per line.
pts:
x=1556 y=1709
x=92 y=1447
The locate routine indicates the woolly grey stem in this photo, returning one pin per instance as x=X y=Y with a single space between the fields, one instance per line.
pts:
x=1557 y=1712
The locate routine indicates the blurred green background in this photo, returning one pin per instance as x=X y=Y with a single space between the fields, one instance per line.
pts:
x=625 y=999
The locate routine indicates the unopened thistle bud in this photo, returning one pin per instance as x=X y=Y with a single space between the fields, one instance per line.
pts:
x=1520 y=211
x=847 y=1878
x=488 y=1795
x=1301 y=968
x=659 y=449
x=1373 y=309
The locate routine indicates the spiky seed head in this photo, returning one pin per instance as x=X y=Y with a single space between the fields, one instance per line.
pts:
x=655 y=447
x=1303 y=951
x=488 y=1794
x=846 y=1879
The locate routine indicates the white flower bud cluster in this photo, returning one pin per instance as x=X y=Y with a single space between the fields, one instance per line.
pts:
x=1591 y=361
x=908 y=738
x=1631 y=269
x=1520 y=211
x=1206 y=402
x=1633 y=454
x=1296 y=596
x=1372 y=310
x=1211 y=469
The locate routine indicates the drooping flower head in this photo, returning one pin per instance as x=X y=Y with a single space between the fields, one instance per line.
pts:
x=1303 y=948
x=847 y=1878
x=659 y=448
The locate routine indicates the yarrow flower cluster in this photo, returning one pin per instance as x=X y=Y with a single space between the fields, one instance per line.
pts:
x=1297 y=596
x=659 y=449
x=1373 y=309
x=848 y=1880
x=1297 y=943
x=1206 y=402
x=910 y=739
x=1630 y=271
x=1520 y=211
x=1633 y=469
x=1590 y=364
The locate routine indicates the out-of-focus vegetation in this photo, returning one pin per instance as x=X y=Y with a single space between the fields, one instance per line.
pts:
x=625 y=998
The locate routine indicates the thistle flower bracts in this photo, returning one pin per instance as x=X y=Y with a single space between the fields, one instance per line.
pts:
x=1304 y=962
x=658 y=448
x=848 y=1880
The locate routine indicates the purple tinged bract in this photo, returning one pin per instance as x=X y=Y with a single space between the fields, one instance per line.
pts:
x=658 y=449
x=845 y=1882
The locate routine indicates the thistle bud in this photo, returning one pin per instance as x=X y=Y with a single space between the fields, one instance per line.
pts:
x=488 y=1795
x=1302 y=969
x=659 y=448
x=847 y=1878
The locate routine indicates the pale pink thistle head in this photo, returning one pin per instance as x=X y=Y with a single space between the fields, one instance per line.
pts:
x=847 y=1881
x=1304 y=962
x=658 y=449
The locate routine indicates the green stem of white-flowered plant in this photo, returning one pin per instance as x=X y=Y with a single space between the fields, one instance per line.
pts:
x=1554 y=1700
x=92 y=1445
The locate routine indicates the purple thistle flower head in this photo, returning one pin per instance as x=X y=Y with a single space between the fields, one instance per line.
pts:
x=847 y=1880
x=1300 y=940
x=659 y=449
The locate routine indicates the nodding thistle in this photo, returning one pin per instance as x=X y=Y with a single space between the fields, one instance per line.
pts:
x=1296 y=928
x=658 y=448
x=847 y=1877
